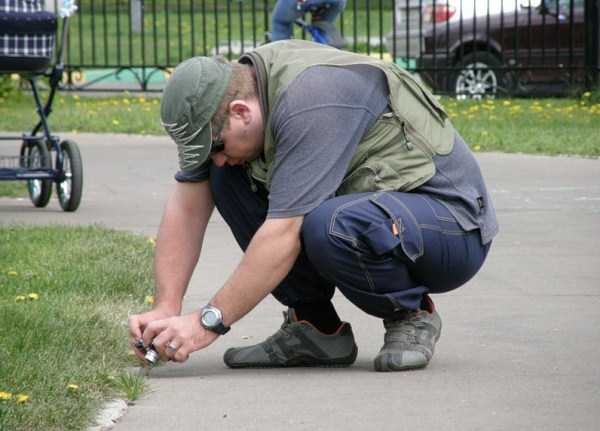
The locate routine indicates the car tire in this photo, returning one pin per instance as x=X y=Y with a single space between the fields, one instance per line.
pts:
x=479 y=75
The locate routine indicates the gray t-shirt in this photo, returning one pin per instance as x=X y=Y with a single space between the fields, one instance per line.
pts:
x=317 y=124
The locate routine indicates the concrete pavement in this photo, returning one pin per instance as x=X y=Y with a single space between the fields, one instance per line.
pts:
x=519 y=347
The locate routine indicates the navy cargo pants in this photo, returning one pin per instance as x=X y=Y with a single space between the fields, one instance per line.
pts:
x=382 y=250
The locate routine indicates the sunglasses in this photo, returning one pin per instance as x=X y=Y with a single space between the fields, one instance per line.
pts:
x=217 y=144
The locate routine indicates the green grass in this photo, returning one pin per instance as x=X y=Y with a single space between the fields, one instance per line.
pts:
x=123 y=114
x=13 y=189
x=64 y=300
x=535 y=126
x=132 y=386
x=543 y=126
x=168 y=38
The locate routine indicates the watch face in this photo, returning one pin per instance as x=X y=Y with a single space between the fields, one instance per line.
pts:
x=210 y=318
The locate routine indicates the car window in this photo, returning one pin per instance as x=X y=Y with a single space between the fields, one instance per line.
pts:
x=563 y=7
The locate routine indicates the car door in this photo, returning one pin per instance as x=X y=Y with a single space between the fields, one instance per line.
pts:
x=549 y=41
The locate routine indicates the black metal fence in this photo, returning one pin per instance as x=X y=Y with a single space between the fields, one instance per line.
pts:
x=464 y=47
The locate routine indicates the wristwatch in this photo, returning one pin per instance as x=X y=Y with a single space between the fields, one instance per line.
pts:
x=211 y=318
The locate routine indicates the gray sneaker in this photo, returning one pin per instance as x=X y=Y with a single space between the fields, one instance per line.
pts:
x=409 y=342
x=297 y=344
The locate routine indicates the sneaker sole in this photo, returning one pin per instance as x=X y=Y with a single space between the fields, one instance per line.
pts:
x=306 y=361
x=384 y=363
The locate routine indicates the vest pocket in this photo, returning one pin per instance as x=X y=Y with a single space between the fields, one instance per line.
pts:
x=387 y=159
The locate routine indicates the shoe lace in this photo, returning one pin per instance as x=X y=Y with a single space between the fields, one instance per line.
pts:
x=284 y=331
x=405 y=330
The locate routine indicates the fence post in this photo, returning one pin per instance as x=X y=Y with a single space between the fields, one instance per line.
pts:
x=592 y=44
x=136 y=15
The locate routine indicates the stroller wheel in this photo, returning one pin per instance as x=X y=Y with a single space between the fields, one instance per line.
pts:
x=35 y=155
x=70 y=187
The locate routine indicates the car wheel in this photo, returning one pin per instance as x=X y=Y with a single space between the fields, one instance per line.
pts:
x=479 y=76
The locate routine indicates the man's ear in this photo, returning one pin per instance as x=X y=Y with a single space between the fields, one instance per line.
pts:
x=240 y=109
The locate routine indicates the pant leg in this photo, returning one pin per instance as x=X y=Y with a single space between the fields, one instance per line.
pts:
x=245 y=211
x=384 y=269
x=282 y=20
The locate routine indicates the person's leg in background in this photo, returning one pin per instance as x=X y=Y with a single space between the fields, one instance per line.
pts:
x=386 y=252
x=284 y=14
x=311 y=317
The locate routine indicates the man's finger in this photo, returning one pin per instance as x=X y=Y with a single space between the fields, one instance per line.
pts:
x=181 y=355
x=153 y=329
x=134 y=327
x=162 y=340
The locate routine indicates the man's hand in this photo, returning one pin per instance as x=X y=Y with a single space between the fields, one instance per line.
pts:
x=177 y=337
x=139 y=322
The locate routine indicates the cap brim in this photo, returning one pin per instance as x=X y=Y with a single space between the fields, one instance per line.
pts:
x=196 y=152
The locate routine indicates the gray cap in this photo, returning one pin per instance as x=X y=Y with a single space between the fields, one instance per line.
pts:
x=190 y=99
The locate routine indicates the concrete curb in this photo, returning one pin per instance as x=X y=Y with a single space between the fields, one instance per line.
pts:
x=109 y=415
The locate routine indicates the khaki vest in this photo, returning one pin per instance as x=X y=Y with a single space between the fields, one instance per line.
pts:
x=395 y=154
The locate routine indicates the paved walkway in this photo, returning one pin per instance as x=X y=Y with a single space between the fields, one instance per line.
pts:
x=520 y=344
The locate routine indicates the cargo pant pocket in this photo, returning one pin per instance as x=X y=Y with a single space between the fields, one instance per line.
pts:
x=398 y=232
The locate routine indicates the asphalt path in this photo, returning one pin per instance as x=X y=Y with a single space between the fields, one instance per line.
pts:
x=520 y=344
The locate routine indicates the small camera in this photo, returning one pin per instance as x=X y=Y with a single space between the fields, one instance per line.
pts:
x=151 y=356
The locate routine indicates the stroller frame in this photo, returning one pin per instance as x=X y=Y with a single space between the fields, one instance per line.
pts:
x=35 y=162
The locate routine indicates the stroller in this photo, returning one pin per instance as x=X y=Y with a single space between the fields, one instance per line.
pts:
x=27 y=46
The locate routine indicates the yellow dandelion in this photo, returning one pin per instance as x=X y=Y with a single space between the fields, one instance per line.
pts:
x=20 y=298
x=142 y=99
x=33 y=296
x=72 y=387
x=586 y=94
x=152 y=241
x=12 y=273
x=5 y=396
x=126 y=101
x=506 y=103
x=22 y=398
x=76 y=97
x=477 y=147
x=115 y=122
x=149 y=300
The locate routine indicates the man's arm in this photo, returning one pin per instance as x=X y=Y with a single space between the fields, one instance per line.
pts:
x=268 y=259
x=179 y=242
x=178 y=248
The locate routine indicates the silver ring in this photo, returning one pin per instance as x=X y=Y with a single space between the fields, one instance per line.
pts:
x=172 y=347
